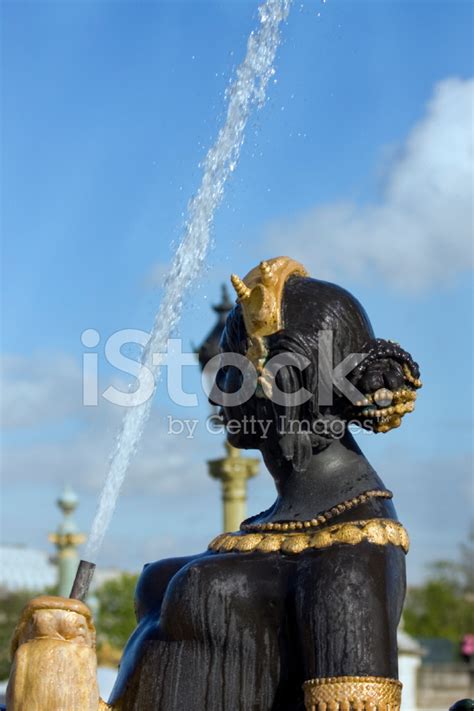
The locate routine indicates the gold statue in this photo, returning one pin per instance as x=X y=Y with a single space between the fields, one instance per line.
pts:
x=54 y=660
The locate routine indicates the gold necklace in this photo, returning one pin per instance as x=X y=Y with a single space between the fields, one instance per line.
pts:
x=378 y=531
x=322 y=518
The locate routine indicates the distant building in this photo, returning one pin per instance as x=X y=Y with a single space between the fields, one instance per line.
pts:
x=36 y=571
x=23 y=568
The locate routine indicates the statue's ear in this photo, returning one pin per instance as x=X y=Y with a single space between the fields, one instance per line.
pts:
x=297 y=448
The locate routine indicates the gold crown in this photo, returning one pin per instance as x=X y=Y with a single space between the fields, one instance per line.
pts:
x=260 y=294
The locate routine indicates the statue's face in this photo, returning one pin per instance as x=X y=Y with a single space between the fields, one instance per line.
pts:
x=238 y=411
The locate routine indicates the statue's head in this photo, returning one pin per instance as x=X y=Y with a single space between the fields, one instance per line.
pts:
x=301 y=362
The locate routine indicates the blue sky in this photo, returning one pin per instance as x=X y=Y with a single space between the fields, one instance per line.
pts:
x=358 y=164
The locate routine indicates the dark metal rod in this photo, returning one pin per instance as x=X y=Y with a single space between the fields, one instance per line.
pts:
x=83 y=579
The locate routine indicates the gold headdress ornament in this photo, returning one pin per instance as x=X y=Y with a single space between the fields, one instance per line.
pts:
x=260 y=294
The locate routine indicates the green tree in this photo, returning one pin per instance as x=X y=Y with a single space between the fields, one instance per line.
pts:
x=11 y=605
x=116 y=615
x=436 y=609
x=444 y=606
x=467 y=562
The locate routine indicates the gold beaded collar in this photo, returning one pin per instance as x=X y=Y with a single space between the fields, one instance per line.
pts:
x=378 y=531
x=321 y=518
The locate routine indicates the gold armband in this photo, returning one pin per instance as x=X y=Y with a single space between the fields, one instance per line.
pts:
x=352 y=693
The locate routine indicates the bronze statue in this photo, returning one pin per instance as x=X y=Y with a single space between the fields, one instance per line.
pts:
x=299 y=608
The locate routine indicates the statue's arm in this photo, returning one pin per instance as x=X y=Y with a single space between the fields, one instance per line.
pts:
x=348 y=602
x=150 y=592
x=153 y=583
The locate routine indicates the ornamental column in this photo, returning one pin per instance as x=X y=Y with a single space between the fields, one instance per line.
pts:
x=66 y=539
x=233 y=471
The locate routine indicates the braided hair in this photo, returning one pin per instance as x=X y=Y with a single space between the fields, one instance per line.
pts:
x=387 y=376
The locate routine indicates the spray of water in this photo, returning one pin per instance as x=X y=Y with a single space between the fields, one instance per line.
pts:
x=247 y=91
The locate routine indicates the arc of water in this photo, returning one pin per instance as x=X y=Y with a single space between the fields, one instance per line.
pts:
x=247 y=91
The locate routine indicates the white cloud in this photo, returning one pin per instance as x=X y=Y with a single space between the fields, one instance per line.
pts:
x=155 y=277
x=419 y=234
x=53 y=437
x=165 y=464
x=428 y=490
x=169 y=504
x=39 y=389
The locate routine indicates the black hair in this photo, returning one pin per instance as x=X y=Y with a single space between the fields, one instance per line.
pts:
x=310 y=306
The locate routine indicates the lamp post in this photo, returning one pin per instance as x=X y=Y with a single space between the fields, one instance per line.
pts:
x=233 y=470
x=66 y=539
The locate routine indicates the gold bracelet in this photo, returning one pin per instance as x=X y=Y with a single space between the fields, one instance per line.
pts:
x=357 y=693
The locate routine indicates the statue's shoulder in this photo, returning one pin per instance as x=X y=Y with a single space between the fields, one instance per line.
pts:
x=153 y=583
